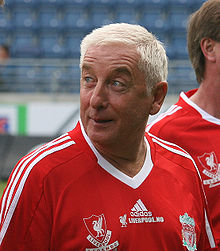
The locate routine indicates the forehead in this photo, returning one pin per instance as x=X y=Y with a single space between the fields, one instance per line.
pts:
x=111 y=55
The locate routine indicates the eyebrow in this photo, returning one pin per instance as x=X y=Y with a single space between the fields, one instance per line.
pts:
x=123 y=70
x=117 y=70
x=86 y=67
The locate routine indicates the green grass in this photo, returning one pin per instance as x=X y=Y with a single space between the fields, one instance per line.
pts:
x=2 y=187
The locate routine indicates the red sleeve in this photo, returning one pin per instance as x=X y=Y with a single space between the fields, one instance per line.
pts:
x=24 y=214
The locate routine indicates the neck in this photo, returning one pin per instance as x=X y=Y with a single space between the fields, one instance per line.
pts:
x=207 y=98
x=129 y=161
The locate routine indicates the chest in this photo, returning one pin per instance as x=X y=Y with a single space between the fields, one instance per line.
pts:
x=99 y=212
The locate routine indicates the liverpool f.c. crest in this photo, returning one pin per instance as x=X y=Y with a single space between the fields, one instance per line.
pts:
x=188 y=232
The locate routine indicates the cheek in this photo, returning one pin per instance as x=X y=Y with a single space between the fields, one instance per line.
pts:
x=134 y=112
x=142 y=112
x=83 y=105
x=84 y=98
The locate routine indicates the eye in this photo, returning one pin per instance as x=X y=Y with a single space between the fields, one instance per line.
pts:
x=117 y=83
x=88 y=79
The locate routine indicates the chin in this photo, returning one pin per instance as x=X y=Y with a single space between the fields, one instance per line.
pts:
x=101 y=138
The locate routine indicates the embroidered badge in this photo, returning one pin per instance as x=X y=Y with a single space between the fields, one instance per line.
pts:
x=188 y=232
x=211 y=167
x=99 y=236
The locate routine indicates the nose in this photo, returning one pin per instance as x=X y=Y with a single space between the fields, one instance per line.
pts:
x=99 y=97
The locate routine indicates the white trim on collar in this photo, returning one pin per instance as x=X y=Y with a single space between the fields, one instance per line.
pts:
x=203 y=113
x=134 y=182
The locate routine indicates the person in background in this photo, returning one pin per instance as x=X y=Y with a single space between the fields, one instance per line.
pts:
x=6 y=70
x=194 y=121
x=108 y=185
x=4 y=54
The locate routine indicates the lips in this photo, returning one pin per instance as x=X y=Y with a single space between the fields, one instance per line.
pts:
x=102 y=120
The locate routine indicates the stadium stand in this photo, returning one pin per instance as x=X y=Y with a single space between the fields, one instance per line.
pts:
x=53 y=29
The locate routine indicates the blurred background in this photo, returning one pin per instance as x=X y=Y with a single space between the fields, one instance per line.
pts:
x=39 y=58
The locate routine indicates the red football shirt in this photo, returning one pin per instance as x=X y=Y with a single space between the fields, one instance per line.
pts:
x=65 y=196
x=198 y=133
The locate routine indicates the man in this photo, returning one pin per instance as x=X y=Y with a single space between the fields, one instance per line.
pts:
x=194 y=121
x=106 y=185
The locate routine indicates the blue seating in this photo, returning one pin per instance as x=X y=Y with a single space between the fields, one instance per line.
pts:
x=153 y=18
x=131 y=3
x=49 y=17
x=182 y=3
x=177 y=46
x=107 y=3
x=5 y=20
x=51 y=45
x=24 y=72
x=55 y=27
x=23 y=18
x=177 y=18
x=126 y=13
x=76 y=17
x=24 y=45
x=7 y=78
x=76 y=2
x=71 y=79
x=155 y=3
x=22 y=3
x=181 y=78
x=3 y=38
x=99 y=15
x=53 y=71
x=72 y=44
x=196 y=4
x=50 y=2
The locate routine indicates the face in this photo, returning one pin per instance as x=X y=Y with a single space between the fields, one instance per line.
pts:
x=113 y=98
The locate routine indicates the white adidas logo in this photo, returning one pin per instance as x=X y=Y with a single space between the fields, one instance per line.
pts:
x=139 y=209
x=139 y=206
x=140 y=214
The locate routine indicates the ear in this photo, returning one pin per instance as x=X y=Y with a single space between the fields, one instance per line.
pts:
x=208 y=48
x=159 y=92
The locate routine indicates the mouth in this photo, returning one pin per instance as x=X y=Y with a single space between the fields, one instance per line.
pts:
x=101 y=121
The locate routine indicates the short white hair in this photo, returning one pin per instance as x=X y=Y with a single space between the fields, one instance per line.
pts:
x=153 y=60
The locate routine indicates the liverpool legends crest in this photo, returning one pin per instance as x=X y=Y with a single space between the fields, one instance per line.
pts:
x=99 y=236
x=211 y=167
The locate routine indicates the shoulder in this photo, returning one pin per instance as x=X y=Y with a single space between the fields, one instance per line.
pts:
x=175 y=122
x=172 y=155
x=178 y=116
x=39 y=164
x=175 y=112
x=45 y=171
x=48 y=156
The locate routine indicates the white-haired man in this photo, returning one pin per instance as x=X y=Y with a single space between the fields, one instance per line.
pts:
x=106 y=185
